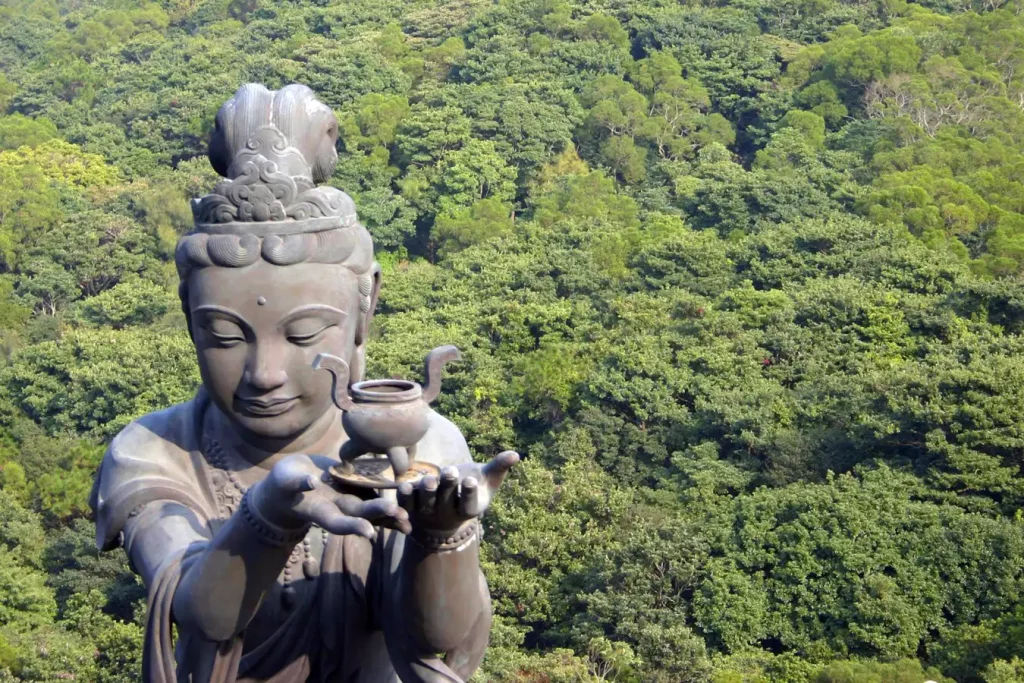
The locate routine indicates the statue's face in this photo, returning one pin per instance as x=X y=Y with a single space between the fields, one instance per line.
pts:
x=257 y=330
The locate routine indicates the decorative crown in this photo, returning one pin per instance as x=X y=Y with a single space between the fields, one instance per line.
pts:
x=272 y=147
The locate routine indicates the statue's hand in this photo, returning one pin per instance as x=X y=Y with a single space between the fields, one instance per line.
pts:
x=295 y=493
x=463 y=493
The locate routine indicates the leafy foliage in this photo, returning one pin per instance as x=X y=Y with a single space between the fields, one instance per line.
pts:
x=742 y=280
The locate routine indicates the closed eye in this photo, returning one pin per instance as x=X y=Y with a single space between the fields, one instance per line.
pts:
x=225 y=339
x=308 y=339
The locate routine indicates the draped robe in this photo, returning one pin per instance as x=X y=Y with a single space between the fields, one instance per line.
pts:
x=344 y=625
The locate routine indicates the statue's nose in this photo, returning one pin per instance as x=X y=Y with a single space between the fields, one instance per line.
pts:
x=266 y=370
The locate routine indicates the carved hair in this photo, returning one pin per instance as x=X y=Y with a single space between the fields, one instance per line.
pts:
x=308 y=127
x=273 y=147
x=351 y=247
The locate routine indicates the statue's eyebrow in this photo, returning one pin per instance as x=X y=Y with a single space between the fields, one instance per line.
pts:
x=225 y=312
x=334 y=314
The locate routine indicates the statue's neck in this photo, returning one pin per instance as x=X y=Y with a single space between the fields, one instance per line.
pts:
x=323 y=437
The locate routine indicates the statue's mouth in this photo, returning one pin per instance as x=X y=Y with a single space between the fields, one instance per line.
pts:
x=267 y=407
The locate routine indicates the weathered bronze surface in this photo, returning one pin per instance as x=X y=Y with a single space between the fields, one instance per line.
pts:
x=290 y=524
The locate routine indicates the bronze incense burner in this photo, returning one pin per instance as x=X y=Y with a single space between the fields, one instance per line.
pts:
x=384 y=417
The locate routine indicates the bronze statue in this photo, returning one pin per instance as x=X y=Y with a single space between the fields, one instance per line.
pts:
x=242 y=510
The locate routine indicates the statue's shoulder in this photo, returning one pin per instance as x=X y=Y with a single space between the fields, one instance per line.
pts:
x=443 y=443
x=171 y=432
x=150 y=459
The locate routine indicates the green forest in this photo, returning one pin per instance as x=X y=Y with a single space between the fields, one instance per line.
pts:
x=743 y=280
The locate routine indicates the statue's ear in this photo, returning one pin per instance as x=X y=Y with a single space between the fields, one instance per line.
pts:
x=357 y=363
x=363 y=331
x=183 y=298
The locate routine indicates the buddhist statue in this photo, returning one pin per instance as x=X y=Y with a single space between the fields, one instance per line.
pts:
x=260 y=561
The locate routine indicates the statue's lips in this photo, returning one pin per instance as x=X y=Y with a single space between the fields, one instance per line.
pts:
x=268 y=408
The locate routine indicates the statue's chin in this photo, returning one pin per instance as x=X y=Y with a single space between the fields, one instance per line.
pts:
x=270 y=428
x=274 y=430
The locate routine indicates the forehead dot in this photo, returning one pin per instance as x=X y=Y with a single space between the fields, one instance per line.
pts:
x=261 y=301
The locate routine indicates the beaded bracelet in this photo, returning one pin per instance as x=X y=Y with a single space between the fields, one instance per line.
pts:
x=270 y=534
x=438 y=544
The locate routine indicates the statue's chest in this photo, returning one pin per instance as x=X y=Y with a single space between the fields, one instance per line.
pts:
x=296 y=583
x=227 y=494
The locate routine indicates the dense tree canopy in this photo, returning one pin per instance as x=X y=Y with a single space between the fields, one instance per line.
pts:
x=741 y=279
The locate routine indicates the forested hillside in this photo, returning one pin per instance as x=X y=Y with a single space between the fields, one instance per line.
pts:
x=742 y=279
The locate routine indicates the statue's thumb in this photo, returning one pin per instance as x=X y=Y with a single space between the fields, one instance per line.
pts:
x=497 y=468
x=295 y=480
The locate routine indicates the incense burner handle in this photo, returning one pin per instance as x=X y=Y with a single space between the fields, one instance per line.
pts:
x=436 y=360
x=339 y=379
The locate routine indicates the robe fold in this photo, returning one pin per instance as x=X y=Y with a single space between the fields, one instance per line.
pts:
x=345 y=626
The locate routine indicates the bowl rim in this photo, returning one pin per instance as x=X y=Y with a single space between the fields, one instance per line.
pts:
x=363 y=392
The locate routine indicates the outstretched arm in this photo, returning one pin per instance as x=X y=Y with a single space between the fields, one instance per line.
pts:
x=437 y=612
x=436 y=598
x=227 y=575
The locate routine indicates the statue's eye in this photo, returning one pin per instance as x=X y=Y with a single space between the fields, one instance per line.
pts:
x=225 y=333
x=305 y=335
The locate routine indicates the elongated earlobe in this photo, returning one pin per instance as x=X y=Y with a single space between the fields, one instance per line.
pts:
x=363 y=331
x=357 y=366
x=183 y=298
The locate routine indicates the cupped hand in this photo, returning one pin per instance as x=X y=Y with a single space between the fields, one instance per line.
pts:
x=297 y=492
x=463 y=492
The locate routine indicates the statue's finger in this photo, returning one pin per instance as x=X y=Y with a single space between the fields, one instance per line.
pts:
x=448 y=488
x=398 y=521
x=406 y=497
x=327 y=516
x=494 y=471
x=343 y=525
x=469 y=500
x=385 y=513
x=426 y=496
x=367 y=509
x=291 y=477
x=403 y=525
x=347 y=503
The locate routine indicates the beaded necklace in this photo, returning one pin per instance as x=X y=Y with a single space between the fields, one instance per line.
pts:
x=229 y=490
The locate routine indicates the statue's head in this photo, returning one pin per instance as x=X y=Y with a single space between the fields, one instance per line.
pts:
x=277 y=269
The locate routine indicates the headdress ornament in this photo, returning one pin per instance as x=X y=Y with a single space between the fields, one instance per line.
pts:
x=273 y=147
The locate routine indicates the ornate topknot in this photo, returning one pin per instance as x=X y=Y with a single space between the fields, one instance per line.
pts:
x=273 y=146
